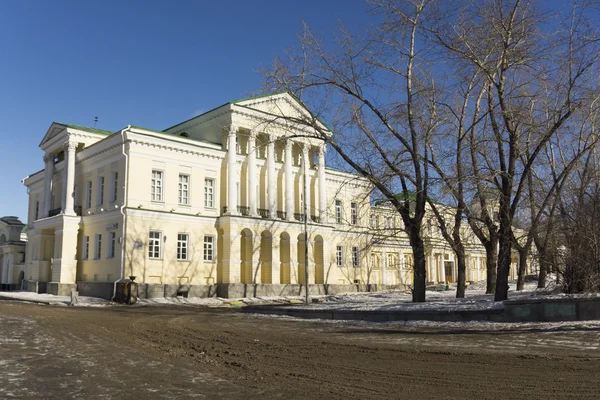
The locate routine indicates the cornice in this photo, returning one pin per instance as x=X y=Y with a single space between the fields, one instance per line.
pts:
x=185 y=127
x=142 y=142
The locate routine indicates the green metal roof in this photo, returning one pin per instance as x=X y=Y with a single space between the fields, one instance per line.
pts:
x=85 y=128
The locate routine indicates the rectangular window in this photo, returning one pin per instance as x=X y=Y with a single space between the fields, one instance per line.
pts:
x=209 y=192
x=37 y=210
x=157 y=186
x=355 y=258
x=339 y=256
x=372 y=222
x=154 y=244
x=184 y=190
x=98 y=254
x=86 y=247
x=354 y=213
x=112 y=240
x=100 y=198
x=388 y=222
x=183 y=240
x=209 y=248
x=114 y=185
x=338 y=211
x=88 y=194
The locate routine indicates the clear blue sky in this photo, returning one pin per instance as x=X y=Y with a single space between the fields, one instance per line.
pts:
x=148 y=63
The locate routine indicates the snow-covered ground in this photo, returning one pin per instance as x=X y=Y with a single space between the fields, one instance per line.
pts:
x=438 y=299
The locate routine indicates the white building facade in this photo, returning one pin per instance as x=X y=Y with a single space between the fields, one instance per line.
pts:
x=215 y=203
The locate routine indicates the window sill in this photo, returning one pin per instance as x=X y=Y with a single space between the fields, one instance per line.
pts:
x=184 y=205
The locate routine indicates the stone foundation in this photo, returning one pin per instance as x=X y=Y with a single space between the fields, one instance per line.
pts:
x=60 y=289
x=237 y=290
x=552 y=310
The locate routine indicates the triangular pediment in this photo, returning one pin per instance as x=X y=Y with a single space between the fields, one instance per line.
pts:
x=281 y=104
x=55 y=129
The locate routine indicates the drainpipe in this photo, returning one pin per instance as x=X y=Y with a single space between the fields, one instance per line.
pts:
x=122 y=209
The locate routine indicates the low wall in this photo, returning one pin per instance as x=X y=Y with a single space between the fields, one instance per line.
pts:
x=552 y=310
x=103 y=290
x=237 y=290
x=149 y=291
x=379 y=316
x=34 y=286
x=60 y=289
x=538 y=310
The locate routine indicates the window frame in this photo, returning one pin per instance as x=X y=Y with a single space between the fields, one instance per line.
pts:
x=338 y=211
x=88 y=194
x=114 y=184
x=209 y=191
x=185 y=248
x=183 y=190
x=339 y=256
x=354 y=213
x=100 y=194
x=112 y=244
x=205 y=251
x=98 y=247
x=355 y=257
x=155 y=242
x=85 y=254
x=157 y=182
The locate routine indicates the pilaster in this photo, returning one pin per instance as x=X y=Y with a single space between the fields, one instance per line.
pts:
x=253 y=209
x=271 y=179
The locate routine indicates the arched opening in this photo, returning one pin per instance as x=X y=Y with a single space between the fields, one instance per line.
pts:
x=266 y=257
x=301 y=259
x=184 y=134
x=319 y=260
x=246 y=256
x=284 y=258
x=220 y=272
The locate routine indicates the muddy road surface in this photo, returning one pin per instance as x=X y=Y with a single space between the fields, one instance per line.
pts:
x=216 y=353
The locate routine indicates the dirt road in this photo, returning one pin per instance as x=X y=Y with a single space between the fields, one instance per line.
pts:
x=175 y=352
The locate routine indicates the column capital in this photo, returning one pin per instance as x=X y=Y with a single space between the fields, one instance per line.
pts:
x=288 y=143
x=305 y=148
x=70 y=146
x=47 y=158
x=254 y=133
x=322 y=149
x=233 y=129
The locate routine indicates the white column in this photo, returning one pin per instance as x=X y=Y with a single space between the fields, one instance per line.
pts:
x=289 y=183
x=69 y=181
x=322 y=190
x=306 y=179
x=231 y=175
x=252 y=174
x=384 y=268
x=48 y=171
x=272 y=183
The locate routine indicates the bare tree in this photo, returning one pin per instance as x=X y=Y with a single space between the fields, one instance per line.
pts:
x=389 y=96
x=539 y=69
x=380 y=96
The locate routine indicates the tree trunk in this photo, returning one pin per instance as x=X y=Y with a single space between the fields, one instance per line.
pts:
x=504 y=254
x=462 y=269
x=523 y=253
x=543 y=272
x=418 y=248
x=491 y=261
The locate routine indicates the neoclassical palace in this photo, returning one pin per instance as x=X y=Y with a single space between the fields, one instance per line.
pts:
x=215 y=203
